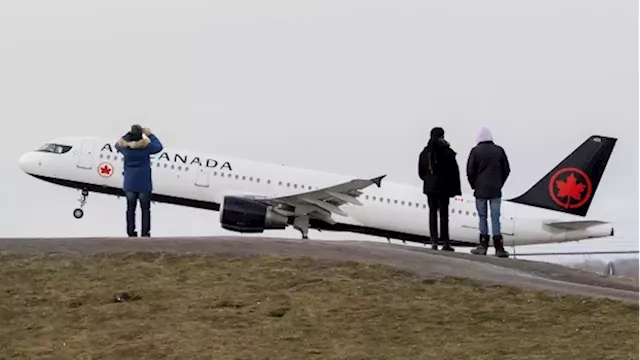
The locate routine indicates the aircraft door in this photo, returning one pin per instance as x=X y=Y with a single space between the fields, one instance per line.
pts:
x=507 y=224
x=85 y=157
x=202 y=178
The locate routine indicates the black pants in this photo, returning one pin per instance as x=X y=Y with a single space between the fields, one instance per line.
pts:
x=145 y=205
x=437 y=204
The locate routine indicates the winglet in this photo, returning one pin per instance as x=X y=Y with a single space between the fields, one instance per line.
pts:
x=378 y=180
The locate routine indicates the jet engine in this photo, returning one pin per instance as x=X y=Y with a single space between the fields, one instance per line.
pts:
x=249 y=216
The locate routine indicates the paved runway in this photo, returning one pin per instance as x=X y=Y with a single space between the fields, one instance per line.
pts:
x=425 y=262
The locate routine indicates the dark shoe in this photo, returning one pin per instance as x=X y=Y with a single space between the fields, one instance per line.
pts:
x=133 y=234
x=446 y=246
x=482 y=248
x=146 y=235
x=498 y=244
x=434 y=246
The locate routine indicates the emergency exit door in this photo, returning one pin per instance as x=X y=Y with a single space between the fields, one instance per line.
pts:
x=85 y=157
x=202 y=178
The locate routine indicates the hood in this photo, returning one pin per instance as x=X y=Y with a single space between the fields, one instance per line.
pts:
x=139 y=144
x=484 y=134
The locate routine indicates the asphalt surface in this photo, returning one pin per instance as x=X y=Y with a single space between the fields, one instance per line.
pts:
x=425 y=262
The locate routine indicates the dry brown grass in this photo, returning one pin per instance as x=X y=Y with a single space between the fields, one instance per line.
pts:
x=216 y=307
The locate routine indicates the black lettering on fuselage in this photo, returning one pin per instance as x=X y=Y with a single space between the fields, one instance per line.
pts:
x=107 y=146
x=210 y=163
x=182 y=159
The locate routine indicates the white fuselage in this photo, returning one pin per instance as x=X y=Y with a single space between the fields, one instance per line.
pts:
x=393 y=206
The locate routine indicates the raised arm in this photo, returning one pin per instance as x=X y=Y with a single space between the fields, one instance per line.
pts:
x=155 y=146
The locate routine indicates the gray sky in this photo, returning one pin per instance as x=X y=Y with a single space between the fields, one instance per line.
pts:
x=348 y=86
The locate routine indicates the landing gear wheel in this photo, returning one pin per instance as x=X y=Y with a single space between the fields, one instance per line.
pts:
x=78 y=213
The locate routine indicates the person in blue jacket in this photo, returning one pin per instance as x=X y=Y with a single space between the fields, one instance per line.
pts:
x=136 y=146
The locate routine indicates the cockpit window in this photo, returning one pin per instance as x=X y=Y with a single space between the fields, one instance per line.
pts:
x=55 y=148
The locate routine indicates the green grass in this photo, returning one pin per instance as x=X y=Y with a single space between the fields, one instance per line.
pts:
x=217 y=307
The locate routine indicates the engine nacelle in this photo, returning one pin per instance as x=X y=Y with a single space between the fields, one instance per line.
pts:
x=249 y=216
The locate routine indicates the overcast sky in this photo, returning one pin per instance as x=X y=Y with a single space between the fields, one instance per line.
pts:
x=348 y=86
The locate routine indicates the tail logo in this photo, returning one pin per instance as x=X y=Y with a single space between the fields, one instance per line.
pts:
x=570 y=188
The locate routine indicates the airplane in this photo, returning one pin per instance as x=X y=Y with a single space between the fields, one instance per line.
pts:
x=252 y=196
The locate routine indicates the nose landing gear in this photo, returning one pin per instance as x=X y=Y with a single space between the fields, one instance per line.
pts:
x=78 y=213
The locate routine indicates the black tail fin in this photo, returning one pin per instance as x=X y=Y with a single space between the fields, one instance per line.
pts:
x=571 y=185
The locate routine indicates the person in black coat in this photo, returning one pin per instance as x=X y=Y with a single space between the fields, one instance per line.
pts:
x=487 y=171
x=438 y=169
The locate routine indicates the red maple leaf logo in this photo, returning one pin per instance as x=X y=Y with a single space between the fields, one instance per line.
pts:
x=570 y=189
x=106 y=170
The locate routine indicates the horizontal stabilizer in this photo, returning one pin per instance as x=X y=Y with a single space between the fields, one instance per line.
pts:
x=574 y=224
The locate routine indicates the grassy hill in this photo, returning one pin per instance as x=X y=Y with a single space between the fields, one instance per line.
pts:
x=262 y=307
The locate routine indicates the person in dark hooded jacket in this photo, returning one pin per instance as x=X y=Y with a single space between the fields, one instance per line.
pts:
x=438 y=169
x=136 y=146
x=487 y=171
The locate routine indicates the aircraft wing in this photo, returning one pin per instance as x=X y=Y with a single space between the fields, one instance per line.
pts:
x=323 y=201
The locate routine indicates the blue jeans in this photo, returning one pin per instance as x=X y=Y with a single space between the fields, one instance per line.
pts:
x=481 y=206
x=145 y=206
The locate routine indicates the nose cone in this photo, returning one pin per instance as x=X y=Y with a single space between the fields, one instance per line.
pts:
x=28 y=162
